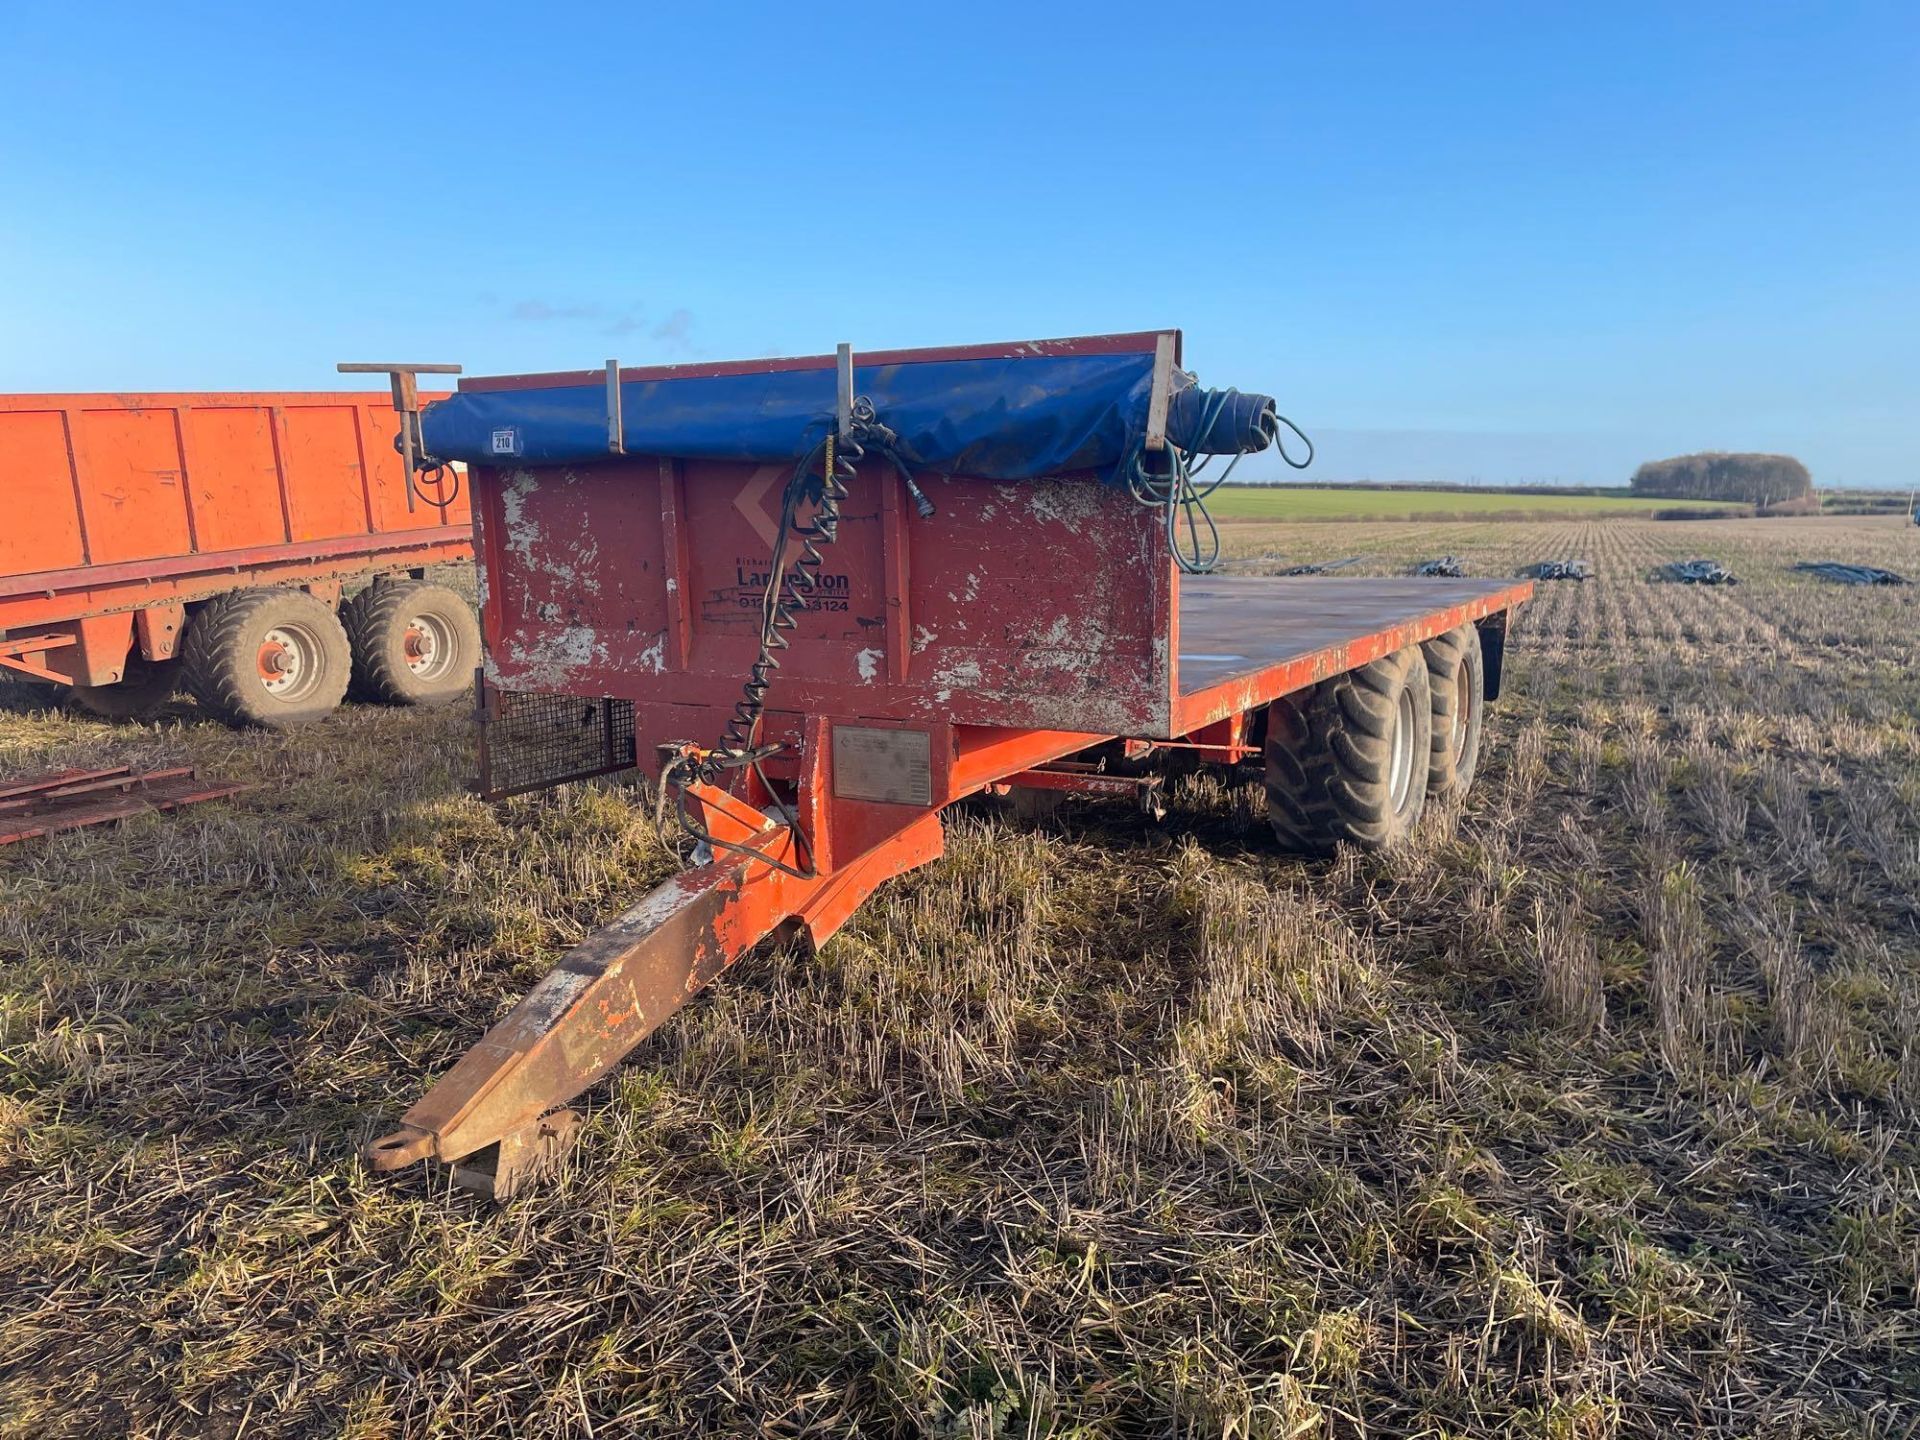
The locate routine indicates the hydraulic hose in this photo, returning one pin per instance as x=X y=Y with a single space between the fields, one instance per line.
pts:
x=1205 y=423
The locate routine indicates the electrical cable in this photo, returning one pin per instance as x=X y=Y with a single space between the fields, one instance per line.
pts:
x=789 y=588
x=445 y=491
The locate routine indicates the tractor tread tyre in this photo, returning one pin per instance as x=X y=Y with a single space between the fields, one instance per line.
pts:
x=1454 y=760
x=222 y=658
x=378 y=620
x=1330 y=758
x=356 y=687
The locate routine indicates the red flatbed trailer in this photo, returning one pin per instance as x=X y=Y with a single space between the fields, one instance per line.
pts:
x=1022 y=635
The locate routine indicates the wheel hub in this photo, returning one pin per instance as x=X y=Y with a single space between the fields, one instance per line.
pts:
x=427 y=645
x=1462 y=711
x=285 y=661
x=1400 y=752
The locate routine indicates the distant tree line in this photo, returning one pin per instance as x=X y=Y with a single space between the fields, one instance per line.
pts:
x=1758 y=480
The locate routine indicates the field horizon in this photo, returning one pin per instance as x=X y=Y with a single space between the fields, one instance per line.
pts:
x=1284 y=500
x=1241 y=504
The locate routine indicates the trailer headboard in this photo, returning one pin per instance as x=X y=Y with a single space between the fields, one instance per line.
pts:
x=1004 y=559
x=1042 y=604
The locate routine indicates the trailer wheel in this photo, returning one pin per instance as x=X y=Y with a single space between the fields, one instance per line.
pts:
x=143 y=689
x=272 y=658
x=414 y=643
x=1347 y=760
x=1456 y=675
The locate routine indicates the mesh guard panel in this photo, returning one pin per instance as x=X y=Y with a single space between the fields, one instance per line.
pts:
x=531 y=741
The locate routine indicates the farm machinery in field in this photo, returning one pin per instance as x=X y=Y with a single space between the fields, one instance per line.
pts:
x=204 y=540
x=820 y=602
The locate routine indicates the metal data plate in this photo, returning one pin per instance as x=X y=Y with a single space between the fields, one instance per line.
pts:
x=893 y=766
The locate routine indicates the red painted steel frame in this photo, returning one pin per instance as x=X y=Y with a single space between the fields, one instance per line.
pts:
x=615 y=988
x=1020 y=625
x=88 y=622
x=1216 y=702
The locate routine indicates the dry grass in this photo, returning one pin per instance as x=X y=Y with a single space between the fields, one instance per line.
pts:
x=1595 y=1115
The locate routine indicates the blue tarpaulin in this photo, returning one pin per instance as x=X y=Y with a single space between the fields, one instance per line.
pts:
x=998 y=419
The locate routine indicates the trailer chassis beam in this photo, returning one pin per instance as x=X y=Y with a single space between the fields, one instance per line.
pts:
x=1075 y=778
x=497 y=1115
x=19 y=652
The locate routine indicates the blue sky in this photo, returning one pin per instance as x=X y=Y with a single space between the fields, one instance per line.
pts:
x=1459 y=242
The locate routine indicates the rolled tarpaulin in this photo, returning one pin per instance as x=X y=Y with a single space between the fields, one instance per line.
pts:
x=1220 y=422
x=1006 y=418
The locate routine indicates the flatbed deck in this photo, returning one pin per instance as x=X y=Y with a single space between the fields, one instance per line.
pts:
x=1248 y=639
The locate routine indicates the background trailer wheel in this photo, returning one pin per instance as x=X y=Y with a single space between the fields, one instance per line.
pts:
x=1456 y=675
x=1348 y=758
x=414 y=642
x=144 y=689
x=272 y=658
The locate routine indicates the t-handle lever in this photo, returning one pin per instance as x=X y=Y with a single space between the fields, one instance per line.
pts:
x=406 y=401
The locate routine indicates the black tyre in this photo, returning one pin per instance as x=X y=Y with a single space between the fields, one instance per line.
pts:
x=143 y=690
x=1456 y=676
x=273 y=658
x=1347 y=760
x=414 y=643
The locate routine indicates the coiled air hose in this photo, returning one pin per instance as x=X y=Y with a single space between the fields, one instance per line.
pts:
x=1205 y=423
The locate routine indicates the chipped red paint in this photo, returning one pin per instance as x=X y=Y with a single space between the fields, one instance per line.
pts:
x=642 y=581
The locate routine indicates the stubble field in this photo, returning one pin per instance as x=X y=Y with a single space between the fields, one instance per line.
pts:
x=1596 y=1113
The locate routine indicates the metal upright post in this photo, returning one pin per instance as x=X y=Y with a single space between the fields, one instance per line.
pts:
x=406 y=400
x=843 y=409
x=616 y=425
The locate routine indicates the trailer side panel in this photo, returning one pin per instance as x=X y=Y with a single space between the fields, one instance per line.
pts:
x=108 y=479
x=134 y=506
